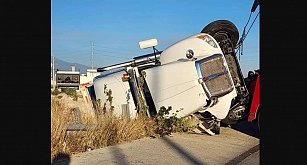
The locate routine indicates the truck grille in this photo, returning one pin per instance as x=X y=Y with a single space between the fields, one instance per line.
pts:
x=214 y=75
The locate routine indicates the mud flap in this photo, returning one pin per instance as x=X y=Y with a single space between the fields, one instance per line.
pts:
x=255 y=102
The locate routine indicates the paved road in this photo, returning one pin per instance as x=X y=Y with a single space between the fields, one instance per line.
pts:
x=252 y=159
x=232 y=146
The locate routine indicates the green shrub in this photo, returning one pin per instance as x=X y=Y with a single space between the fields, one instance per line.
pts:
x=55 y=91
x=71 y=92
x=168 y=125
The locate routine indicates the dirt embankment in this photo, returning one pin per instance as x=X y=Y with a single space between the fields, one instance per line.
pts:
x=71 y=103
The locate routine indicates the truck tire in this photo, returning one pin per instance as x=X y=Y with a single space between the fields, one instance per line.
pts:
x=229 y=121
x=220 y=26
x=234 y=115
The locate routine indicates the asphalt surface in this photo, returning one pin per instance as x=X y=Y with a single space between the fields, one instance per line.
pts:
x=252 y=159
x=236 y=145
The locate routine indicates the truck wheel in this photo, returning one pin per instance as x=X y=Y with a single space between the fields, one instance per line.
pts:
x=229 y=121
x=222 y=26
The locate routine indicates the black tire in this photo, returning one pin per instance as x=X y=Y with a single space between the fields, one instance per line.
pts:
x=228 y=121
x=222 y=26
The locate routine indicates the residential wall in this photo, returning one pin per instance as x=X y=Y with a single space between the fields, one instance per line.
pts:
x=90 y=74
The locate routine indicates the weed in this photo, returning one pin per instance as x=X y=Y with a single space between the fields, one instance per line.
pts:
x=106 y=128
x=141 y=106
x=167 y=124
x=55 y=91
x=109 y=130
x=71 y=92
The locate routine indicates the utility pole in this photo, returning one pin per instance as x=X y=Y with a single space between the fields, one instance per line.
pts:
x=53 y=74
x=92 y=59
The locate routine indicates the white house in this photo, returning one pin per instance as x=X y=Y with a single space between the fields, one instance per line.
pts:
x=88 y=77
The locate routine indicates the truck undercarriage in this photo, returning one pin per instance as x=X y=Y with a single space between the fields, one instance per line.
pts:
x=227 y=35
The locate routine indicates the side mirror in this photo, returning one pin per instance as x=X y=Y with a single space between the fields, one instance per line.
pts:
x=148 y=43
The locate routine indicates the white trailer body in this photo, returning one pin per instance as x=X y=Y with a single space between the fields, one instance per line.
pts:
x=122 y=99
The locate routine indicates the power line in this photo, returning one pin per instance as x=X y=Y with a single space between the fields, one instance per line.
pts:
x=244 y=34
x=251 y=25
x=120 y=49
x=104 y=55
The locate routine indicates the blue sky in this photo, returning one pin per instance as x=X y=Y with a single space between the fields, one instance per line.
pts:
x=116 y=27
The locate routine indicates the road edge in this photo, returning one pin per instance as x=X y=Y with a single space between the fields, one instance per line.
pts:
x=244 y=155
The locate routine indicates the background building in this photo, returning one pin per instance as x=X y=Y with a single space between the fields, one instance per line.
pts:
x=68 y=79
x=89 y=76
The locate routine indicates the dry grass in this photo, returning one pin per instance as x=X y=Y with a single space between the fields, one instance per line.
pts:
x=106 y=130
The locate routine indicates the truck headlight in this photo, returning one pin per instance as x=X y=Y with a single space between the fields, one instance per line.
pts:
x=189 y=54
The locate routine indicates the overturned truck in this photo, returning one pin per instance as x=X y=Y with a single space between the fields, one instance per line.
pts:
x=199 y=75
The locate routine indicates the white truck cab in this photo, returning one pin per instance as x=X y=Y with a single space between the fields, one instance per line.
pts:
x=198 y=75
